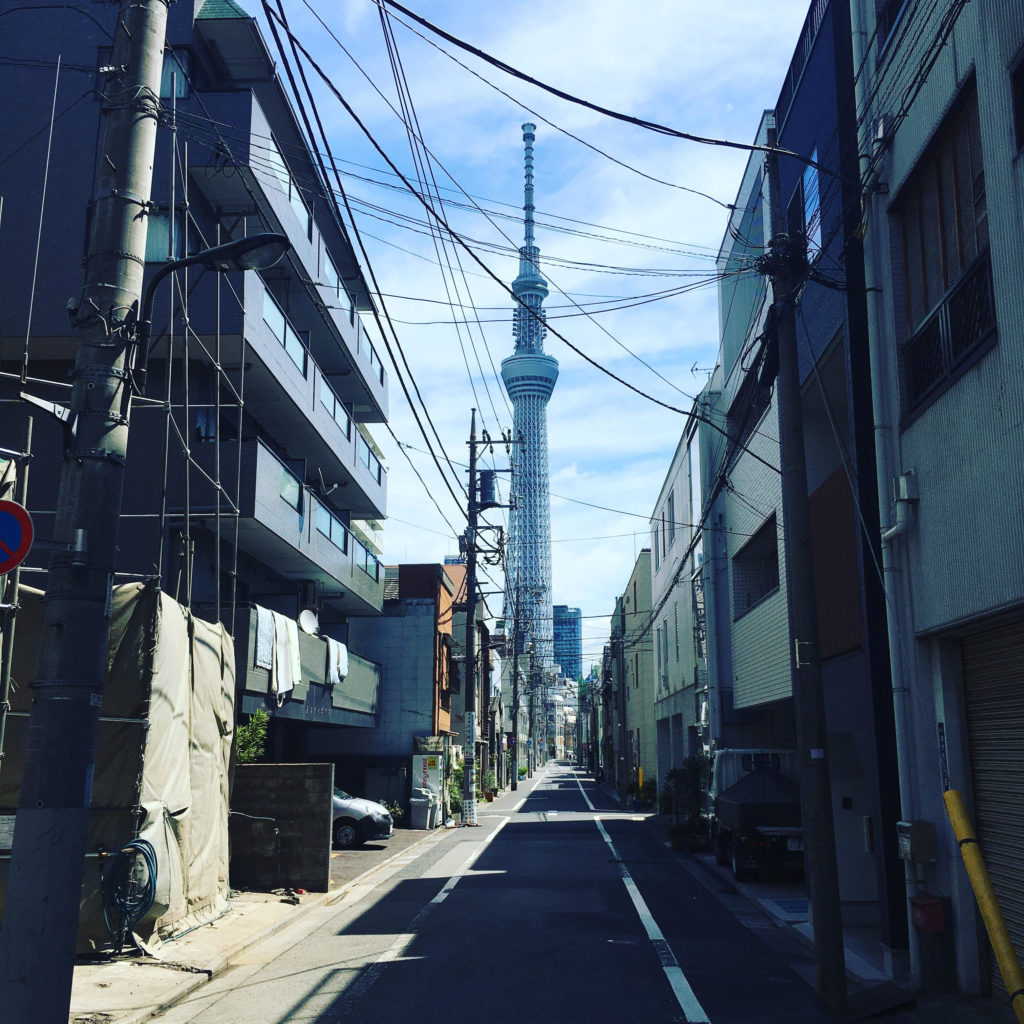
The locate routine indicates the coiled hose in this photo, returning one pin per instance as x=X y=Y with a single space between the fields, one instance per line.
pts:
x=129 y=888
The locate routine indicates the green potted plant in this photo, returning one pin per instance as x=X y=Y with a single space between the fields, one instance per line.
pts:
x=491 y=783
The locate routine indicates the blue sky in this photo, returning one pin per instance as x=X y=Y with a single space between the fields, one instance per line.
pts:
x=707 y=69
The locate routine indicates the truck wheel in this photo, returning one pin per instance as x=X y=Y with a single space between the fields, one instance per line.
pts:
x=739 y=872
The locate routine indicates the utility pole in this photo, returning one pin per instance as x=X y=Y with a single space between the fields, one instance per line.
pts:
x=515 y=688
x=785 y=264
x=469 y=774
x=44 y=885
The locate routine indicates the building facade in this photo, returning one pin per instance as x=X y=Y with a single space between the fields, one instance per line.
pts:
x=940 y=109
x=748 y=590
x=678 y=621
x=568 y=640
x=252 y=478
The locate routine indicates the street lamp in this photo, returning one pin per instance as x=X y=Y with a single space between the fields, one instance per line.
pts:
x=255 y=252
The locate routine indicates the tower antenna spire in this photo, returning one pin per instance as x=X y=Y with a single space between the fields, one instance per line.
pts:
x=529 y=376
x=528 y=137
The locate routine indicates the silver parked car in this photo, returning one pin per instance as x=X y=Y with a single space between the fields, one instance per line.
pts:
x=357 y=821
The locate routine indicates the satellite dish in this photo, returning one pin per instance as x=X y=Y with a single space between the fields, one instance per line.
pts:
x=308 y=622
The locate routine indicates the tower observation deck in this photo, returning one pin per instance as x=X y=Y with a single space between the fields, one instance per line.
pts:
x=529 y=375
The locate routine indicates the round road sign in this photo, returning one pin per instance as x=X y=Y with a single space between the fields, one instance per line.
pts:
x=15 y=535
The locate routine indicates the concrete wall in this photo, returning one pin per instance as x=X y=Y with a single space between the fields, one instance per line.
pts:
x=293 y=850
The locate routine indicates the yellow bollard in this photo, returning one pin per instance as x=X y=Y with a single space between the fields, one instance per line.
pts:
x=1009 y=965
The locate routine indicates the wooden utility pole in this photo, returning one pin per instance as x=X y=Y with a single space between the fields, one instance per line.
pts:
x=44 y=885
x=785 y=265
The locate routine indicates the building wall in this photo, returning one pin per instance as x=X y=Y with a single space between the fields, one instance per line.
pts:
x=638 y=673
x=958 y=565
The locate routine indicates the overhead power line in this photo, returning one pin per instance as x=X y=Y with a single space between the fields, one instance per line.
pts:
x=490 y=273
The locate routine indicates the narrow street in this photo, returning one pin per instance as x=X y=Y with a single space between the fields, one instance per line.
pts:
x=560 y=907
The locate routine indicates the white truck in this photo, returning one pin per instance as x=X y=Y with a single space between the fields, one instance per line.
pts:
x=753 y=811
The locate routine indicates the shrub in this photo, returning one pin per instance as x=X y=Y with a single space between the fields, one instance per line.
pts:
x=251 y=737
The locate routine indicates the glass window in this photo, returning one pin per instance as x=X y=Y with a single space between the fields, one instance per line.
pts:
x=755 y=569
x=174 y=77
x=812 y=208
x=160 y=247
x=291 y=489
x=943 y=212
x=671 y=513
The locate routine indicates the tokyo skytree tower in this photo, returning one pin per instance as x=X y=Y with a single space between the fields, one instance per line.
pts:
x=529 y=377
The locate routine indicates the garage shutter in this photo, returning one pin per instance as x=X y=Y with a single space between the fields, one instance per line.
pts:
x=993 y=663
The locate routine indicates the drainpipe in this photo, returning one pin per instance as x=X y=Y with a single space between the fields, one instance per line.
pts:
x=884 y=445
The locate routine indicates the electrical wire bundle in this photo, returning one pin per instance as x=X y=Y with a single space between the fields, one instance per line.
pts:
x=129 y=888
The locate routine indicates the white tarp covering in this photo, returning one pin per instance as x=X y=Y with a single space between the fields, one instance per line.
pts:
x=163 y=756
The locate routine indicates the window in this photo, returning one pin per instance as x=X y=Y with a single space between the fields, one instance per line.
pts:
x=949 y=309
x=290 y=489
x=755 y=569
x=888 y=13
x=657 y=551
x=174 y=77
x=160 y=245
x=657 y=647
x=812 y=208
x=675 y=619
x=671 y=514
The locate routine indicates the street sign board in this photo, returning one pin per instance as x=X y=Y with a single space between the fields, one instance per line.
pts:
x=15 y=535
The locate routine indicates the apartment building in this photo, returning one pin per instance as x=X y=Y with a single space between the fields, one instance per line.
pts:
x=253 y=482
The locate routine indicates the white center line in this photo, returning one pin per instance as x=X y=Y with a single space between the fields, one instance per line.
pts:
x=684 y=994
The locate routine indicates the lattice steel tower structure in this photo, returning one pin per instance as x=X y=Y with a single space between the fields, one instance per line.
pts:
x=529 y=375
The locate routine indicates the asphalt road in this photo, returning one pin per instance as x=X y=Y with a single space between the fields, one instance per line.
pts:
x=559 y=909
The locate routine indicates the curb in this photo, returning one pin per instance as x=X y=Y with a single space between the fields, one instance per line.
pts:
x=219 y=962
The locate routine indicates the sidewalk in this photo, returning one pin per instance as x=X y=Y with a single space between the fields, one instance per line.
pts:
x=130 y=989
x=871 y=992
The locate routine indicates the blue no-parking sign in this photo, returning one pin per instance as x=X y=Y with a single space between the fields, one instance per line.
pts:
x=15 y=535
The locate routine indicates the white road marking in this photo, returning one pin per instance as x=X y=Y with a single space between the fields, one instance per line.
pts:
x=684 y=994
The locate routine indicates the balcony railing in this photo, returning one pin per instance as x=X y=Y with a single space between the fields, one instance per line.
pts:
x=369 y=460
x=960 y=329
x=335 y=407
x=281 y=328
x=365 y=559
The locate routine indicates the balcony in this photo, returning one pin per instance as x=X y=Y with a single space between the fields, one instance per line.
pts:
x=353 y=702
x=321 y=297
x=285 y=388
x=281 y=523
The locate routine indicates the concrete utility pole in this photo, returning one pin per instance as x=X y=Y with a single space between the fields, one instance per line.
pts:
x=784 y=264
x=41 y=916
x=515 y=689
x=469 y=774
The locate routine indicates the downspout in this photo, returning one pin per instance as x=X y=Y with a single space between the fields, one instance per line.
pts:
x=883 y=463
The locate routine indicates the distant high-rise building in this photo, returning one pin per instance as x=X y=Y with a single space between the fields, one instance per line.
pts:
x=529 y=375
x=568 y=624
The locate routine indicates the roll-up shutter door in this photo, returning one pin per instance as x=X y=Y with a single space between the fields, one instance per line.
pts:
x=993 y=663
